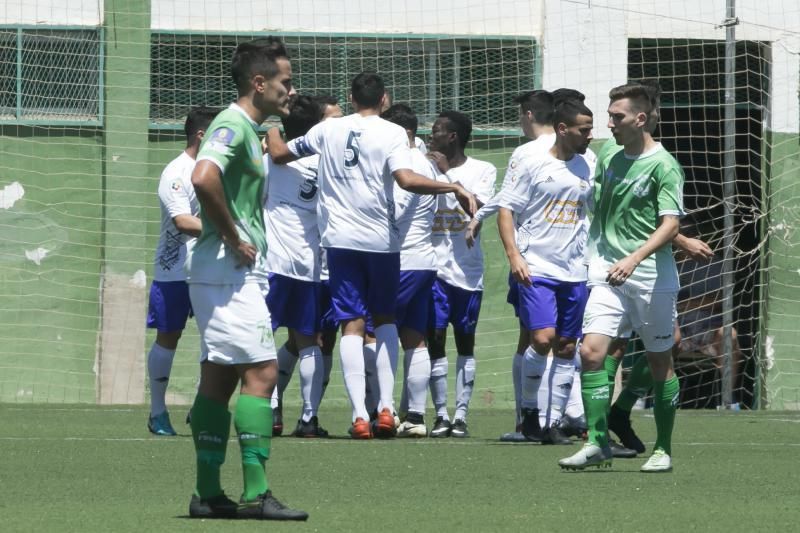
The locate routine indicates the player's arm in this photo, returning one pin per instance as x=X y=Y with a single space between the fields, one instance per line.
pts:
x=278 y=149
x=207 y=183
x=188 y=224
x=412 y=182
x=667 y=229
x=694 y=248
x=517 y=263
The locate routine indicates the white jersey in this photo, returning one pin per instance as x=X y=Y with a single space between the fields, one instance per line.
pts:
x=415 y=220
x=176 y=196
x=550 y=199
x=290 y=218
x=460 y=265
x=357 y=158
x=531 y=149
x=420 y=145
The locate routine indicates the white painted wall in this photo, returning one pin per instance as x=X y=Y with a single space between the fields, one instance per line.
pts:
x=52 y=12
x=461 y=17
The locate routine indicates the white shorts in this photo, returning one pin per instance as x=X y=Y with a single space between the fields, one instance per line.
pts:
x=615 y=311
x=234 y=323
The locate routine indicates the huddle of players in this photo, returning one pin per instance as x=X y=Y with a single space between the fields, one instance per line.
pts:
x=378 y=234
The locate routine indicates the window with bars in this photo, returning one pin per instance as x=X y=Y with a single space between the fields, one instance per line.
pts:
x=479 y=77
x=51 y=76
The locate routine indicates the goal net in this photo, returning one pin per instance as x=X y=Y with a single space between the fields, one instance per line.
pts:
x=92 y=101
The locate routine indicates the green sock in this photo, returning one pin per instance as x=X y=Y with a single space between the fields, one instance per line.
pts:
x=253 y=421
x=665 y=404
x=211 y=427
x=611 y=365
x=640 y=380
x=594 y=390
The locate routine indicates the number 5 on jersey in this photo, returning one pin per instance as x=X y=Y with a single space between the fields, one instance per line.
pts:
x=351 y=151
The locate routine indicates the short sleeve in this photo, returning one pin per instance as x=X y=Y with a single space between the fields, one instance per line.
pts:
x=221 y=146
x=173 y=195
x=518 y=193
x=484 y=187
x=308 y=144
x=399 y=152
x=669 y=188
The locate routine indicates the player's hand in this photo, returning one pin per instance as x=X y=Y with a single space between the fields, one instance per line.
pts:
x=621 y=271
x=519 y=269
x=440 y=160
x=265 y=145
x=472 y=231
x=697 y=250
x=467 y=200
x=245 y=254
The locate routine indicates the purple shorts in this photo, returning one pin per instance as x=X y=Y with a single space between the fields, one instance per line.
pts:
x=513 y=294
x=169 y=306
x=454 y=305
x=292 y=304
x=326 y=322
x=413 y=299
x=550 y=303
x=363 y=283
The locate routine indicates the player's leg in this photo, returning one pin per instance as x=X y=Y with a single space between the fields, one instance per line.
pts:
x=280 y=302
x=383 y=286
x=372 y=393
x=539 y=314
x=658 y=315
x=604 y=318
x=348 y=285
x=327 y=328
x=412 y=316
x=465 y=309
x=311 y=376
x=638 y=384
x=573 y=423
x=438 y=319
x=169 y=308
x=516 y=366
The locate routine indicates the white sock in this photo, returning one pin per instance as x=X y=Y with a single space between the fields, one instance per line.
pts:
x=533 y=367
x=561 y=375
x=273 y=401
x=386 y=363
x=310 y=380
x=327 y=364
x=465 y=380
x=439 y=386
x=407 y=355
x=546 y=393
x=418 y=375
x=286 y=363
x=159 y=366
x=371 y=376
x=516 y=377
x=352 y=357
x=574 y=409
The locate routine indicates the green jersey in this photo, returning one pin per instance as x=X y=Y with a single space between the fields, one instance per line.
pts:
x=630 y=195
x=232 y=144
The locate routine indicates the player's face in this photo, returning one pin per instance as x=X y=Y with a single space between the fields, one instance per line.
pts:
x=624 y=122
x=332 y=111
x=441 y=137
x=276 y=91
x=578 y=136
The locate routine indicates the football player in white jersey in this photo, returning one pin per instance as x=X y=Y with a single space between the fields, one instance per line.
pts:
x=458 y=289
x=361 y=157
x=169 y=305
x=547 y=204
x=290 y=218
x=417 y=273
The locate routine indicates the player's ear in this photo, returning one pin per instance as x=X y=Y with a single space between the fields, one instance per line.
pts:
x=259 y=83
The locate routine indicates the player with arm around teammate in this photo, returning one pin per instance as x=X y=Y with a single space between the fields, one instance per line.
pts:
x=169 y=306
x=361 y=157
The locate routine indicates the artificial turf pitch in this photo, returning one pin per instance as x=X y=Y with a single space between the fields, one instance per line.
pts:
x=85 y=468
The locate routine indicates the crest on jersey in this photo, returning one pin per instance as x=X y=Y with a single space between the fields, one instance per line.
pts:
x=641 y=186
x=512 y=170
x=221 y=139
x=176 y=185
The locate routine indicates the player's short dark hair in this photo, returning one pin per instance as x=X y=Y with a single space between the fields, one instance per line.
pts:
x=367 y=89
x=402 y=115
x=566 y=111
x=458 y=123
x=304 y=113
x=198 y=119
x=559 y=95
x=642 y=97
x=255 y=57
x=539 y=103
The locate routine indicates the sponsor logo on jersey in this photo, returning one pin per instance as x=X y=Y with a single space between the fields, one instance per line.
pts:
x=220 y=140
x=176 y=185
